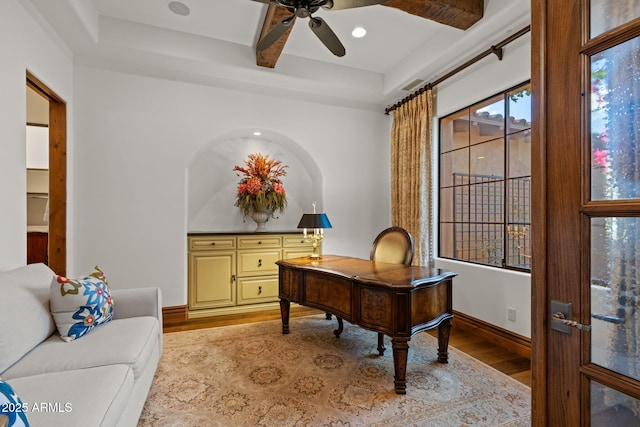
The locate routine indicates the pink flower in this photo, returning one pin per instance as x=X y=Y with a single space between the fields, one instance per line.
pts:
x=600 y=157
x=254 y=185
x=278 y=188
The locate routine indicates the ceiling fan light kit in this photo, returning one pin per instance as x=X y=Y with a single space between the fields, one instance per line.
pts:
x=305 y=9
x=179 y=8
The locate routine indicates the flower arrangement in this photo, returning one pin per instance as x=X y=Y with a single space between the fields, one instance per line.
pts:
x=260 y=188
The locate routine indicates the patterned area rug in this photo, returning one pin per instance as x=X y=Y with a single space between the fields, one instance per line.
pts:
x=252 y=375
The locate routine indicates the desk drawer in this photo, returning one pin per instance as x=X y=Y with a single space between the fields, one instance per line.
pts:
x=264 y=289
x=254 y=242
x=254 y=263
x=211 y=243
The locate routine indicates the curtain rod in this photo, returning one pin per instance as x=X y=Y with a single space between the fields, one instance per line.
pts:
x=495 y=50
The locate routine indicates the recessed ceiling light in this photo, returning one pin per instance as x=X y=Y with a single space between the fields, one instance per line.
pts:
x=179 y=8
x=358 y=32
x=257 y=133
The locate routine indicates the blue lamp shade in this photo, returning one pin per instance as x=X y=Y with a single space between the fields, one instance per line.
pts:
x=314 y=221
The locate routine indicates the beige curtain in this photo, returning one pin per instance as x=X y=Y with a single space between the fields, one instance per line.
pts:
x=411 y=194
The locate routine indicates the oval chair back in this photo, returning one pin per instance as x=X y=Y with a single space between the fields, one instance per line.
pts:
x=393 y=245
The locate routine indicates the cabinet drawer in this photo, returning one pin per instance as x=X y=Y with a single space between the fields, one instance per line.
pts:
x=254 y=242
x=252 y=291
x=205 y=243
x=294 y=241
x=253 y=263
x=296 y=253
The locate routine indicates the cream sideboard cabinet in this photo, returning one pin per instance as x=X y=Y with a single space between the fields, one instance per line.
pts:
x=233 y=273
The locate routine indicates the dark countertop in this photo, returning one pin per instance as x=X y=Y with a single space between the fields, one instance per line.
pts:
x=243 y=232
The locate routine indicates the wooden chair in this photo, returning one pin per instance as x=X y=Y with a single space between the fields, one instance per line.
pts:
x=394 y=246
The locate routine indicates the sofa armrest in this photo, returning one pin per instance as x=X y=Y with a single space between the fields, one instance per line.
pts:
x=137 y=302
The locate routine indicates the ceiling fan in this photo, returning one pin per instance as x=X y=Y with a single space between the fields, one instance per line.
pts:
x=305 y=9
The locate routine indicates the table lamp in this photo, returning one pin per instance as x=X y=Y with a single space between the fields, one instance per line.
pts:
x=318 y=222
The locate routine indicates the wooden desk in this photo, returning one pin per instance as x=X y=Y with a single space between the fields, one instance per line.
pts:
x=396 y=300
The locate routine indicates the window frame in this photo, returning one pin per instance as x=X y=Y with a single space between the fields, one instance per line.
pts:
x=506 y=136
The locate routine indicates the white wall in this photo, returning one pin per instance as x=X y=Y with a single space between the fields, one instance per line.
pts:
x=212 y=183
x=23 y=46
x=483 y=292
x=136 y=137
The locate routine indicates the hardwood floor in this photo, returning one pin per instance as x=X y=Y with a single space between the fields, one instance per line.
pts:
x=517 y=367
x=505 y=361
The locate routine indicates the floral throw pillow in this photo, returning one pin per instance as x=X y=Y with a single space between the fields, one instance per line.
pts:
x=79 y=305
x=12 y=411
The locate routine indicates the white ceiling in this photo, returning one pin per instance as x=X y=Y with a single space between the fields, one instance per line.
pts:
x=215 y=45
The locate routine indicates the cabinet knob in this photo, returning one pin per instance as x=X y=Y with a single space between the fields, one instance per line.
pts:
x=259 y=242
x=259 y=290
x=213 y=243
x=233 y=277
x=259 y=263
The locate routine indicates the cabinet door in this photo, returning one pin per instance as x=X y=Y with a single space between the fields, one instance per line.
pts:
x=212 y=279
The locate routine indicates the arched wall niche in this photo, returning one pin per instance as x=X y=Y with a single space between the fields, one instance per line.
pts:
x=212 y=183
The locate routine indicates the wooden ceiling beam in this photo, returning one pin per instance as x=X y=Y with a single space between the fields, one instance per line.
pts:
x=269 y=56
x=455 y=13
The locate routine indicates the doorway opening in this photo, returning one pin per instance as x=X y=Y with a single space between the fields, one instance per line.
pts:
x=56 y=196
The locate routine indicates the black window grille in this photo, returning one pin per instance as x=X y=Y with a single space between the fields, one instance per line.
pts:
x=479 y=218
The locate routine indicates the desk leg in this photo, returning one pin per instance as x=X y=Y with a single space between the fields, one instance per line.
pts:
x=338 y=331
x=443 y=341
x=284 y=313
x=400 y=353
x=381 y=347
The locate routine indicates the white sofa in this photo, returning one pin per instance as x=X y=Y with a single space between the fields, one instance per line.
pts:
x=100 y=379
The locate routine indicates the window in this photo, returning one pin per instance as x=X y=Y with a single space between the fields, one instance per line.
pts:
x=485 y=181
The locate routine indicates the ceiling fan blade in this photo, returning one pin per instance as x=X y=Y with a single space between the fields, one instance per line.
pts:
x=275 y=33
x=326 y=36
x=350 y=4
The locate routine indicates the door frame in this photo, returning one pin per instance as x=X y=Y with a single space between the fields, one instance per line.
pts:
x=556 y=144
x=561 y=209
x=57 y=246
x=538 y=218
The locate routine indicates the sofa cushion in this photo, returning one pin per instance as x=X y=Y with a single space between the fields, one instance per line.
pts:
x=123 y=341
x=13 y=412
x=24 y=311
x=80 y=305
x=78 y=398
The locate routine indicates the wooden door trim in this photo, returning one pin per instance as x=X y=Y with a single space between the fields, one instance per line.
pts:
x=538 y=217
x=57 y=251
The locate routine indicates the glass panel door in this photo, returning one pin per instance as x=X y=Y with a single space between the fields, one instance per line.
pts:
x=614 y=222
x=611 y=408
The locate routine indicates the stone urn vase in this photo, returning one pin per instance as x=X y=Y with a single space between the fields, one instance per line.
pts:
x=261 y=218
